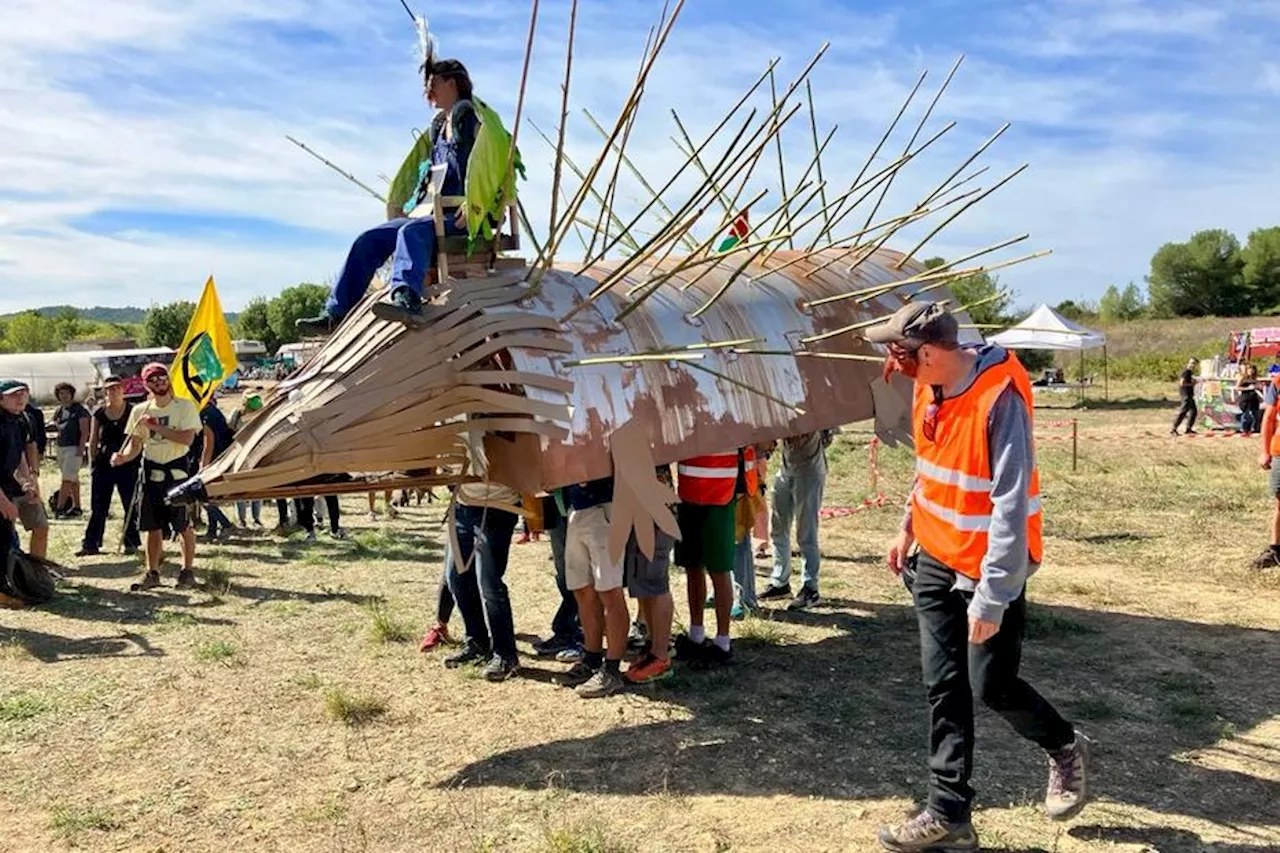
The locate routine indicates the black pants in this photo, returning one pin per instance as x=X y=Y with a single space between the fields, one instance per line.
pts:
x=955 y=672
x=1188 y=411
x=307 y=513
x=105 y=482
x=7 y=533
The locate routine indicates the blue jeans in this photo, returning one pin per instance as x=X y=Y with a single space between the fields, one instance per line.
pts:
x=218 y=521
x=254 y=507
x=1250 y=420
x=744 y=574
x=484 y=540
x=565 y=623
x=412 y=245
x=796 y=497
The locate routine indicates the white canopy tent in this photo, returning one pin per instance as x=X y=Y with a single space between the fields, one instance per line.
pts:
x=1046 y=329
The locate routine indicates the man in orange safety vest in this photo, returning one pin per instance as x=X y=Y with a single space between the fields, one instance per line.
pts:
x=975 y=513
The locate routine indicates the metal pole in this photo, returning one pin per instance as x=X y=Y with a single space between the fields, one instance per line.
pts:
x=1075 y=443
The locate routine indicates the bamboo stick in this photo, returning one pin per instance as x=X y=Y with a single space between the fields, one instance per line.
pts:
x=974 y=156
x=803 y=75
x=817 y=150
x=636 y=173
x=746 y=387
x=1004 y=294
x=952 y=218
x=881 y=176
x=782 y=165
x=927 y=275
x=1022 y=328
x=508 y=173
x=883 y=139
x=631 y=263
x=728 y=282
x=559 y=230
x=564 y=113
x=904 y=219
x=623 y=359
x=822 y=184
x=655 y=283
x=697 y=162
x=955 y=275
x=919 y=127
x=611 y=189
x=842 y=356
x=573 y=167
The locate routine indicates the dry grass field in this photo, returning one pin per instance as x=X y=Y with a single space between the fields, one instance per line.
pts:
x=286 y=707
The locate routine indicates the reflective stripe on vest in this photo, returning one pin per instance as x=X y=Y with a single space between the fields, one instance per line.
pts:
x=951 y=502
x=712 y=479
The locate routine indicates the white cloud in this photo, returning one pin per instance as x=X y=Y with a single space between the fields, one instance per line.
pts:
x=1135 y=134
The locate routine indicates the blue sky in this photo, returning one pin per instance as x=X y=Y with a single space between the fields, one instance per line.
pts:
x=144 y=139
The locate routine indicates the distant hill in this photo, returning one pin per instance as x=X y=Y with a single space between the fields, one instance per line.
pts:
x=101 y=314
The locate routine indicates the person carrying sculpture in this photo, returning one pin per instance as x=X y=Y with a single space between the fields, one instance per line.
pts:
x=709 y=487
x=974 y=510
x=467 y=142
x=797 y=496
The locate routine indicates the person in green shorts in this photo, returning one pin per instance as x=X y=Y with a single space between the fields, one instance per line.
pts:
x=708 y=487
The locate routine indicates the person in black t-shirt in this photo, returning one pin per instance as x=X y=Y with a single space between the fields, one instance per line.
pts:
x=107 y=435
x=213 y=440
x=1187 y=391
x=39 y=432
x=72 y=419
x=14 y=439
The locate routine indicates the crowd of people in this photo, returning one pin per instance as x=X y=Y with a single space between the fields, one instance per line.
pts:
x=970 y=537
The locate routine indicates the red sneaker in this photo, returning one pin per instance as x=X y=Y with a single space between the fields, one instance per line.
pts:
x=437 y=636
x=647 y=670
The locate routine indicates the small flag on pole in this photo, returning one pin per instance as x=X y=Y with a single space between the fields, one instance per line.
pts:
x=737 y=233
x=206 y=357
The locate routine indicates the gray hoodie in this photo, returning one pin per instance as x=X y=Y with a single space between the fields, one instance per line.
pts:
x=1007 y=565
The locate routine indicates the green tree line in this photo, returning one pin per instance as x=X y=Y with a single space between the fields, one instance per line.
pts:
x=268 y=320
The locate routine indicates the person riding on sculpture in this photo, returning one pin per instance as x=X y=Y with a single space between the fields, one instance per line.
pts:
x=469 y=149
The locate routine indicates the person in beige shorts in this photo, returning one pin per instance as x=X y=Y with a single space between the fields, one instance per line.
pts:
x=595 y=579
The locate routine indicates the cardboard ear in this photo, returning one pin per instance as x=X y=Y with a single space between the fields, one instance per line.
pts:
x=640 y=499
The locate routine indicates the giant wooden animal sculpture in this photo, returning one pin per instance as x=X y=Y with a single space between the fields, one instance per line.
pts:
x=569 y=372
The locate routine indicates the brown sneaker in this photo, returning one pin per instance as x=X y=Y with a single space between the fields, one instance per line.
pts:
x=149 y=581
x=1069 y=770
x=924 y=833
x=187 y=579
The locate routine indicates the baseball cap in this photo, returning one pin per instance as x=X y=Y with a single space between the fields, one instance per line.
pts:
x=112 y=380
x=916 y=324
x=155 y=368
x=12 y=386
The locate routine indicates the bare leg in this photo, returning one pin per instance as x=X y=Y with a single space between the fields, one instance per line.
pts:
x=660 y=611
x=722 y=583
x=591 y=614
x=155 y=549
x=1275 y=524
x=697 y=580
x=188 y=548
x=617 y=621
x=39 y=543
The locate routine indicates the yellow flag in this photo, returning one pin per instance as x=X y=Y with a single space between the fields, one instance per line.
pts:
x=206 y=357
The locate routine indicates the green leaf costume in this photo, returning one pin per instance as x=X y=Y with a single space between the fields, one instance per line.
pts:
x=487 y=194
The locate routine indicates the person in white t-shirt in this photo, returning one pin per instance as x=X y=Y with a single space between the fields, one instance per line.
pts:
x=162 y=430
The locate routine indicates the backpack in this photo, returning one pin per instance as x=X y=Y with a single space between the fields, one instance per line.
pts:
x=30 y=579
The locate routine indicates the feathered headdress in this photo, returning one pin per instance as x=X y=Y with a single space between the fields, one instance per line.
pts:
x=428 y=47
